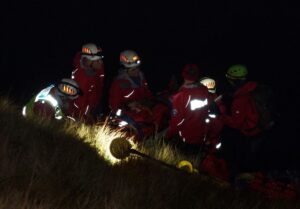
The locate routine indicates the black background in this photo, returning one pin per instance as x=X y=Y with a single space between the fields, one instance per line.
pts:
x=40 y=38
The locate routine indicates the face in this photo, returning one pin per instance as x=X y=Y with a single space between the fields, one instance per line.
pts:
x=95 y=65
x=133 y=72
x=231 y=82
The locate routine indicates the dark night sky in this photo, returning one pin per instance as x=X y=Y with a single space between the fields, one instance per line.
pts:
x=40 y=38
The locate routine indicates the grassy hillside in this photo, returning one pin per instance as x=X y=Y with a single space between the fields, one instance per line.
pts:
x=47 y=165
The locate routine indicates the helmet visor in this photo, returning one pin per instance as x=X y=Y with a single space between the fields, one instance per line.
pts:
x=97 y=56
x=132 y=63
x=68 y=89
x=233 y=77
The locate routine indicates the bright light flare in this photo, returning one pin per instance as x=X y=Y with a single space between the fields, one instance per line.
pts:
x=218 y=146
x=101 y=137
x=123 y=123
x=24 y=111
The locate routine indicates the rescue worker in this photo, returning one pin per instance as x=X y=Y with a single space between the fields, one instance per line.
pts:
x=55 y=101
x=241 y=136
x=89 y=73
x=215 y=125
x=130 y=93
x=211 y=163
x=190 y=110
x=130 y=85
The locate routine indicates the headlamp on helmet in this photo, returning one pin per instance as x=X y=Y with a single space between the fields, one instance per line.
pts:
x=209 y=83
x=92 y=52
x=130 y=59
x=69 y=88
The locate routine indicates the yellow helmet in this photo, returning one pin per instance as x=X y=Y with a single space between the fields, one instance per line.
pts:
x=186 y=166
x=237 y=72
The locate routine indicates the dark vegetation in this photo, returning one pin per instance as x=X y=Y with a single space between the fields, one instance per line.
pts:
x=47 y=164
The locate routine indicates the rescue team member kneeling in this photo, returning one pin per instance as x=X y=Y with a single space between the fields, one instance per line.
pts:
x=55 y=101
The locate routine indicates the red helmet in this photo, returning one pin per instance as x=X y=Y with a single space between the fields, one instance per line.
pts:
x=191 y=72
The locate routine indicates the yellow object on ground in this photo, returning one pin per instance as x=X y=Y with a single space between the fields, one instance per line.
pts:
x=186 y=166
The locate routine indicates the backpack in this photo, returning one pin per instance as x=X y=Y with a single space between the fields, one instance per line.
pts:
x=265 y=103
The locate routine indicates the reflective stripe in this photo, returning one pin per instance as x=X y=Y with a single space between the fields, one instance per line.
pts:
x=180 y=122
x=87 y=109
x=71 y=118
x=127 y=96
x=198 y=103
x=188 y=101
x=24 y=111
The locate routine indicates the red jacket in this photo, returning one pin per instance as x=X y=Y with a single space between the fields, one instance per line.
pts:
x=123 y=91
x=91 y=86
x=215 y=125
x=190 y=110
x=244 y=115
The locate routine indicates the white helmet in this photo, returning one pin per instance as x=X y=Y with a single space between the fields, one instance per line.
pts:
x=69 y=87
x=130 y=59
x=209 y=83
x=91 y=52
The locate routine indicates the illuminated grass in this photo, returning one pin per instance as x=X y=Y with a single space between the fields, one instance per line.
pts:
x=99 y=136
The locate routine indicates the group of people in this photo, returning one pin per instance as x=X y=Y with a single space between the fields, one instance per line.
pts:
x=196 y=115
x=76 y=97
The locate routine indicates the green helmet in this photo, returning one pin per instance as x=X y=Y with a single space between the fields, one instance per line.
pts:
x=237 y=72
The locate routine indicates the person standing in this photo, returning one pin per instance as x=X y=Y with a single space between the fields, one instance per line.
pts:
x=190 y=111
x=242 y=137
x=215 y=125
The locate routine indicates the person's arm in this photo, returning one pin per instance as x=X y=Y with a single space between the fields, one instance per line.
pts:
x=43 y=110
x=177 y=118
x=237 y=116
